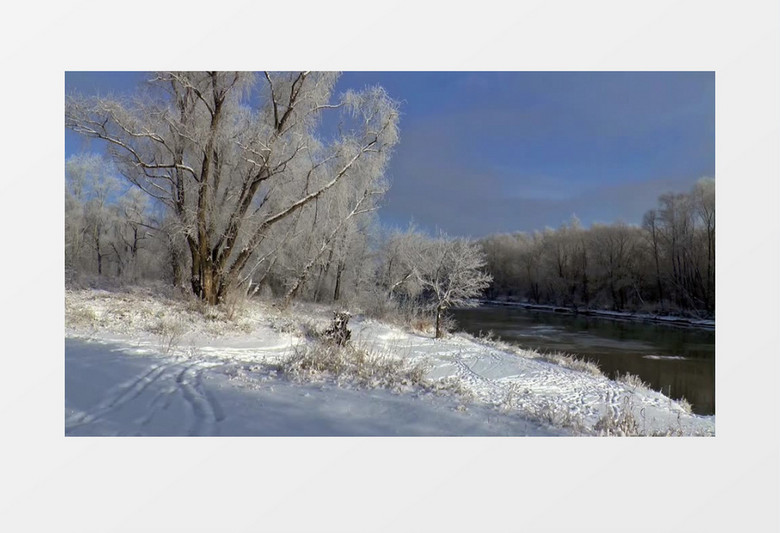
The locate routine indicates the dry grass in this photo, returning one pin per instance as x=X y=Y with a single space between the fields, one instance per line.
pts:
x=636 y=384
x=565 y=360
x=516 y=398
x=169 y=331
x=79 y=317
x=140 y=309
x=317 y=360
x=570 y=361
x=619 y=421
x=632 y=380
x=685 y=405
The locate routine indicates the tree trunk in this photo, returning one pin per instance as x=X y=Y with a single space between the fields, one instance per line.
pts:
x=209 y=284
x=439 y=311
x=337 y=291
x=175 y=266
x=322 y=276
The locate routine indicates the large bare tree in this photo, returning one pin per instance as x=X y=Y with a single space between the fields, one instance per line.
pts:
x=234 y=155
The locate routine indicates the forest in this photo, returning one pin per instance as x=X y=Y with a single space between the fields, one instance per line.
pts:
x=230 y=185
x=234 y=184
x=664 y=266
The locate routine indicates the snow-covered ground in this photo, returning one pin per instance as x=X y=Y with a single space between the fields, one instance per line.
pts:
x=136 y=364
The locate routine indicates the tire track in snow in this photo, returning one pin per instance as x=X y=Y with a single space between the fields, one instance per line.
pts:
x=216 y=408
x=118 y=397
x=205 y=410
x=164 y=396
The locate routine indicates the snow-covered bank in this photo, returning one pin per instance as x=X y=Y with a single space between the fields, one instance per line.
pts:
x=225 y=374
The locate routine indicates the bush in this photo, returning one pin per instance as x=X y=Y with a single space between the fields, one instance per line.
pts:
x=619 y=420
x=169 y=331
x=633 y=381
x=80 y=317
x=352 y=364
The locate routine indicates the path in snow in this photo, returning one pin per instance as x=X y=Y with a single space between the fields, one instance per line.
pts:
x=111 y=389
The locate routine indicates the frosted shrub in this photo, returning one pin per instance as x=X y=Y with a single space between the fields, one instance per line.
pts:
x=80 y=317
x=619 y=421
x=376 y=304
x=236 y=303
x=685 y=405
x=633 y=381
x=169 y=331
x=571 y=361
x=351 y=364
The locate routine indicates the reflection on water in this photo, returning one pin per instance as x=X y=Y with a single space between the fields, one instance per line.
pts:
x=678 y=361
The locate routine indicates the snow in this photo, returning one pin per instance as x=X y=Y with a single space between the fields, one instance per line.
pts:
x=128 y=371
x=115 y=389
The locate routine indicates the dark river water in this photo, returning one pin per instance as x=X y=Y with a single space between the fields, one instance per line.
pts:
x=678 y=361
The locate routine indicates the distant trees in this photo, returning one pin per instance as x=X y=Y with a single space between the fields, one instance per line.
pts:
x=236 y=160
x=667 y=264
x=106 y=225
x=684 y=225
x=88 y=185
x=233 y=181
x=617 y=256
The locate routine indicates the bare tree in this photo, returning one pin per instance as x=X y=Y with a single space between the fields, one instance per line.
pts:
x=704 y=204
x=232 y=155
x=616 y=253
x=652 y=232
x=129 y=231
x=89 y=185
x=451 y=271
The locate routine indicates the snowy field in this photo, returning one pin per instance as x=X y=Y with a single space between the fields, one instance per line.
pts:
x=136 y=364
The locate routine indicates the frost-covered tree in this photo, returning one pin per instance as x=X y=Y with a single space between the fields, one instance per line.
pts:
x=703 y=196
x=397 y=273
x=665 y=265
x=130 y=231
x=452 y=272
x=501 y=253
x=617 y=254
x=90 y=182
x=238 y=158
x=343 y=213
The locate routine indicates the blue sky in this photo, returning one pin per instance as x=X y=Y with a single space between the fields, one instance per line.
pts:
x=488 y=152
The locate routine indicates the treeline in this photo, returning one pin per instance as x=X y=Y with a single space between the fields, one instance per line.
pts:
x=116 y=235
x=230 y=184
x=110 y=230
x=665 y=266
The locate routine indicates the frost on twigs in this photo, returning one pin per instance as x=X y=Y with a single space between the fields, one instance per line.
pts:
x=619 y=420
x=169 y=331
x=350 y=364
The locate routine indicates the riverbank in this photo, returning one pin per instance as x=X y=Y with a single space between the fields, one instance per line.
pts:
x=669 y=320
x=492 y=386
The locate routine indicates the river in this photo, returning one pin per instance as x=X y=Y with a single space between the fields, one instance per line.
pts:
x=679 y=361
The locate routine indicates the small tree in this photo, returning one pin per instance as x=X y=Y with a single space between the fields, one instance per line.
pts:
x=450 y=270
